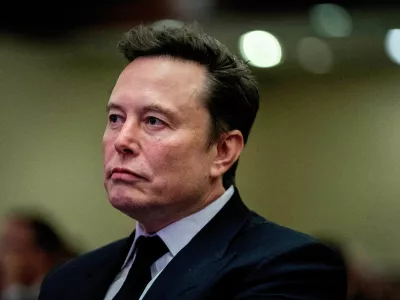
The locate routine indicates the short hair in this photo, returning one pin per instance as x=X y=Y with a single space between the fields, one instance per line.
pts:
x=45 y=235
x=232 y=96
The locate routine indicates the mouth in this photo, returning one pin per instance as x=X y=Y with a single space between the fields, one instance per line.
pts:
x=123 y=174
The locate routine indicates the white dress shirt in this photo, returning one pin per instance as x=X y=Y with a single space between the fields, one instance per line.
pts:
x=175 y=236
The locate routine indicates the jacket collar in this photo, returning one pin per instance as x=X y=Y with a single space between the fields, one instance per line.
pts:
x=204 y=256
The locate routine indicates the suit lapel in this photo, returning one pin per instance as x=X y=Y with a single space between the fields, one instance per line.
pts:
x=202 y=259
x=99 y=278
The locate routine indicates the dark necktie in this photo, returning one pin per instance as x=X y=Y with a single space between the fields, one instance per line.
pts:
x=148 y=250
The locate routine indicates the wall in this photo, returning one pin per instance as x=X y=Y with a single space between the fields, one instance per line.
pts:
x=324 y=158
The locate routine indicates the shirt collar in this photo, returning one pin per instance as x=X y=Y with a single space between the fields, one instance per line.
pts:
x=178 y=234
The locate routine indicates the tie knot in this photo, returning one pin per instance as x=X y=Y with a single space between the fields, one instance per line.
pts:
x=150 y=248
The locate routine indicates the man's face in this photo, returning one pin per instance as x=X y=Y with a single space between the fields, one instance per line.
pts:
x=155 y=144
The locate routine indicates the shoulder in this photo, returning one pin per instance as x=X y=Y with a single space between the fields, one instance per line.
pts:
x=78 y=267
x=91 y=259
x=291 y=263
x=268 y=241
x=259 y=233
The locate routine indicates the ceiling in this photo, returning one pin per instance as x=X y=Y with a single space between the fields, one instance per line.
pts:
x=44 y=18
x=289 y=21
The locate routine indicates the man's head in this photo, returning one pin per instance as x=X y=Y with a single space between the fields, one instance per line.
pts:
x=29 y=247
x=179 y=116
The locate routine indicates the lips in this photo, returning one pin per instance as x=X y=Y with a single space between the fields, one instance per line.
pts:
x=124 y=174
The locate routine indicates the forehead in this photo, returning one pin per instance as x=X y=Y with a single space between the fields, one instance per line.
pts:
x=161 y=78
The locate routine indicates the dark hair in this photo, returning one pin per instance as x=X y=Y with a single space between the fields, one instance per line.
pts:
x=45 y=236
x=232 y=97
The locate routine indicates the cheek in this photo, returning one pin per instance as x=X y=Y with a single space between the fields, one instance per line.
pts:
x=162 y=157
x=176 y=160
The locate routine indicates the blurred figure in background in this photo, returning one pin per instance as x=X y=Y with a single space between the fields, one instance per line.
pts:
x=367 y=278
x=29 y=249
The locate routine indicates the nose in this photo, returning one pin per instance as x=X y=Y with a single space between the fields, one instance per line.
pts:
x=126 y=142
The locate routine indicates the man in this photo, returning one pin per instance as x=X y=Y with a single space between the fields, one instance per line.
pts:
x=29 y=249
x=178 y=118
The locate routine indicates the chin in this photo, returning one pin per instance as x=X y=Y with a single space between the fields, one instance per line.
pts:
x=127 y=201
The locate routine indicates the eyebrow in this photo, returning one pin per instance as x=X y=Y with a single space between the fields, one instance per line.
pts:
x=160 y=109
x=153 y=107
x=111 y=106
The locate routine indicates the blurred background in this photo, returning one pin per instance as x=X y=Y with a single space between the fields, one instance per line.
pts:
x=324 y=154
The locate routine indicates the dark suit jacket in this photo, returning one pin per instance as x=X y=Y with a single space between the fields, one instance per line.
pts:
x=237 y=255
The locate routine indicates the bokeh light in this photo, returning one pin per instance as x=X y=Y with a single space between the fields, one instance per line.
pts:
x=331 y=20
x=392 y=45
x=315 y=55
x=260 y=48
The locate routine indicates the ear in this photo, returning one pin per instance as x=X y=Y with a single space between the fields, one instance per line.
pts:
x=228 y=150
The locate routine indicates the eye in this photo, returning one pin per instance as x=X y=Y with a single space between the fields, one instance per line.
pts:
x=155 y=122
x=113 y=118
